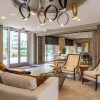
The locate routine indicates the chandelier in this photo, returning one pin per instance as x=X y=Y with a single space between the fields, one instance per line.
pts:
x=44 y=10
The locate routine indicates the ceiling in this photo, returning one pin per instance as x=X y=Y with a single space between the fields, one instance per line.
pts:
x=34 y=4
x=88 y=13
x=79 y=35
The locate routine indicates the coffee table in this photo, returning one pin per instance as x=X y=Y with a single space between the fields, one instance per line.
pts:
x=61 y=77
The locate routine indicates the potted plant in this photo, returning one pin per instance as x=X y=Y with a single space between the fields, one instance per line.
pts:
x=64 y=50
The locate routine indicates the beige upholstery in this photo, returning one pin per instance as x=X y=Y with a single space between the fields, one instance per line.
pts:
x=47 y=91
x=71 y=64
x=98 y=68
x=93 y=75
x=72 y=61
x=19 y=81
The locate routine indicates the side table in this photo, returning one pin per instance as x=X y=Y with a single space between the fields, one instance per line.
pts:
x=82 y=69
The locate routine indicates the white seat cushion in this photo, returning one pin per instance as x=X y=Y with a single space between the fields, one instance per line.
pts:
x=68 y=72
x=91 y=73
x=20 y=81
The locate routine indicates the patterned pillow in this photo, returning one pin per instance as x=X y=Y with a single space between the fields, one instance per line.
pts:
x=2 y=67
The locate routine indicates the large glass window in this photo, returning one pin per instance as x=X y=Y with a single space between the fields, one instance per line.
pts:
x=50 y=52
x=14 y=47
x=69 y=49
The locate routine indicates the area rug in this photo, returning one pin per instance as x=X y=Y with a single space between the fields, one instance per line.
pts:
x=26 y=67
x=75 y=90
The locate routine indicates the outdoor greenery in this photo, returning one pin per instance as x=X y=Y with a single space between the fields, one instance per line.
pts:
x=64 y=50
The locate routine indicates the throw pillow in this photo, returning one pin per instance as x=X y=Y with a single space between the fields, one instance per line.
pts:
x=39 y=79
x=65 y=67
x=2 y=67
x=19 y=81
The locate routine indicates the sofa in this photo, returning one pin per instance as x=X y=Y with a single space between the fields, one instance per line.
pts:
x=19 y=87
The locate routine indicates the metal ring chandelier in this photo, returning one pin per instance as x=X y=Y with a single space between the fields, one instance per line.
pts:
x=67 y=17
x=74 y=9
x=63 y=6
x=46 y=10
x=38 y=15
x=28 y=9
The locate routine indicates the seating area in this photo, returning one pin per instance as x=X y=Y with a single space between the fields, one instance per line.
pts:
x=49 y=50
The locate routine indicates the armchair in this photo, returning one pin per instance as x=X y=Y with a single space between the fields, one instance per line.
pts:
x=93 y=75
x=71 y=65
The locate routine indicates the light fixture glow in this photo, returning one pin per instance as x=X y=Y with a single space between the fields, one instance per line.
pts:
x=3 y=17
x=78 y=19
x=62 y=24
x=42 y=24
x=38 y=27
x=75 y=17
x=25 y=18
x=32 y=13
x=62 y=10
x=50 y=20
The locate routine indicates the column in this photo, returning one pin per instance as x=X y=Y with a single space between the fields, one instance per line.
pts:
x=98 y=30
x=1 y=43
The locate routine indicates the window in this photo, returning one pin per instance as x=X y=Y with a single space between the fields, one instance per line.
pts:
x=50 y=52
x=69 y=49
x=14 y=47
x=79 y=47
x=23 y=47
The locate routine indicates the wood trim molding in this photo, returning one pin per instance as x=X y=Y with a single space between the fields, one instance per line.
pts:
x=98 y=30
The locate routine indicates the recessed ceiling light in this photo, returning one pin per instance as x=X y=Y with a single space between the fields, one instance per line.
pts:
x=70 y=34
x=3 y=17
x=12 y=14
x=86 y=35
x=38 y=27
x=78 y=19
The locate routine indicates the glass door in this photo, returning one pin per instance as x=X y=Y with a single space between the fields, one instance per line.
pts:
x=13 y=47
x=23 y=47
